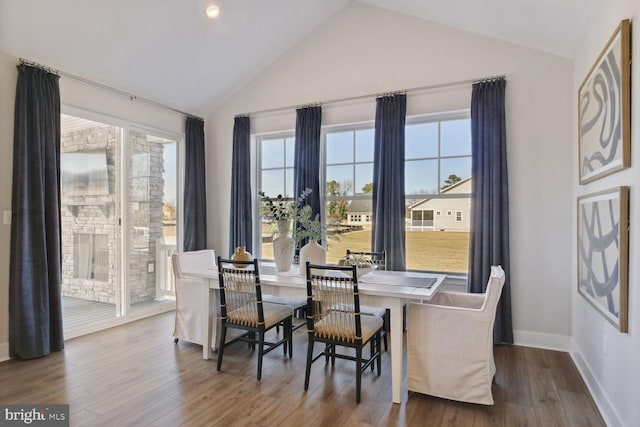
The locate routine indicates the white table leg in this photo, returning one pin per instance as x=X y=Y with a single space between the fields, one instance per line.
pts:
x=396 y=349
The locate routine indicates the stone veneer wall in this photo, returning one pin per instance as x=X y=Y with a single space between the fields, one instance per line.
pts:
x=92 y=214
x=145 y=213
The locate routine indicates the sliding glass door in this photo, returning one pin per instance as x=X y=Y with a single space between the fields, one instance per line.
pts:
x=151 y=213
x=90 y=205
x=119 y=221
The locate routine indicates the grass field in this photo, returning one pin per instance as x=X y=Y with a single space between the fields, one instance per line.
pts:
x=426 y=250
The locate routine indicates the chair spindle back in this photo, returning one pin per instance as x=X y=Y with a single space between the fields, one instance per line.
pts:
x=240 y=292
x=333 y=302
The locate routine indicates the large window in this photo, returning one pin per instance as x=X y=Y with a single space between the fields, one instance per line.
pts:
x=437 y=188
x=275 y=177
x=276 y=165
x=438 y=178
x=348 y=189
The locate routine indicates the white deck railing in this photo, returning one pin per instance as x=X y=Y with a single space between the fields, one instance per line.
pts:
x=165 y=286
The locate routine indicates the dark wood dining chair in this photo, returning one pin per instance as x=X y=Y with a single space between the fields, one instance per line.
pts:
x=380 y=260
x=334 y=319
x=377 y=258
x=242 y=307
x=299 y=306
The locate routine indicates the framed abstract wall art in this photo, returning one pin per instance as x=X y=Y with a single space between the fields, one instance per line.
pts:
x=603 y=252
x=604 y=110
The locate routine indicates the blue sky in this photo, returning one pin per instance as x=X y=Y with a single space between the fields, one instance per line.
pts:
x=170 y=173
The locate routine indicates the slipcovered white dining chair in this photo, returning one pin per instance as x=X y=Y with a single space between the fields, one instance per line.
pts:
x=191 y=295
x=450 y=343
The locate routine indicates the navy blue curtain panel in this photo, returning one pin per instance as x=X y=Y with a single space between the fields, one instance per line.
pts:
x=195 y=190
x=35 y=272
x=306 y=166
x=241 y=214
x=489 y=240
x=388 y=180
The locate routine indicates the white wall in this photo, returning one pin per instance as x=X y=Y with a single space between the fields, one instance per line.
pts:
x=364 y=50
x=73 y=94
x=614 y=379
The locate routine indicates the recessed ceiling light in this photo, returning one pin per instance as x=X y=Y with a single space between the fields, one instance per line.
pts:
x=212 y=11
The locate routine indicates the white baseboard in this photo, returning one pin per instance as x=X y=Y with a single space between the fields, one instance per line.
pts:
x=598 y=394
x=4 y=351
x=540 y=340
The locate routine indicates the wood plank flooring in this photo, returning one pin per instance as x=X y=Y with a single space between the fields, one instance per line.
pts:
x=134 y=375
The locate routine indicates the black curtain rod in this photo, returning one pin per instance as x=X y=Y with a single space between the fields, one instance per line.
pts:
x=109 y=88
x=375 y=95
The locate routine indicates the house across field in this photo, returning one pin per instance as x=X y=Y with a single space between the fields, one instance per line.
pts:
x=359 y=212
x=449 y=213
x=443 y=214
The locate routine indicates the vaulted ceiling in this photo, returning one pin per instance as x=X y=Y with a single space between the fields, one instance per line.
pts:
x=170 y=52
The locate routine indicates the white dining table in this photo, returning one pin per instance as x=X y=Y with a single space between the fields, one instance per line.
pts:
x=389 y=289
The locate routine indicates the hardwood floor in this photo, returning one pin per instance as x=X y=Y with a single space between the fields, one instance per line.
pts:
x=134 y=375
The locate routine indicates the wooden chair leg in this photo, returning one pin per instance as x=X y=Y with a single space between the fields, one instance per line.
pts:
x=260 y=353
x=358 y=372
x=309 y=359
x=373 y=351
x=252 y=340
x=333 y=355
x=387 y=328
x=287 y=326
x=290 y=338
x=286 y=335
x=379 y=353
x=223 y=335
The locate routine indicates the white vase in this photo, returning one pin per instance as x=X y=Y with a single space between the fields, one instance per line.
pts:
x=313 y=253
x=283 y=246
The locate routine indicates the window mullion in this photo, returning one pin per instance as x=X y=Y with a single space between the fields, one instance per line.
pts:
x=439 y=156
